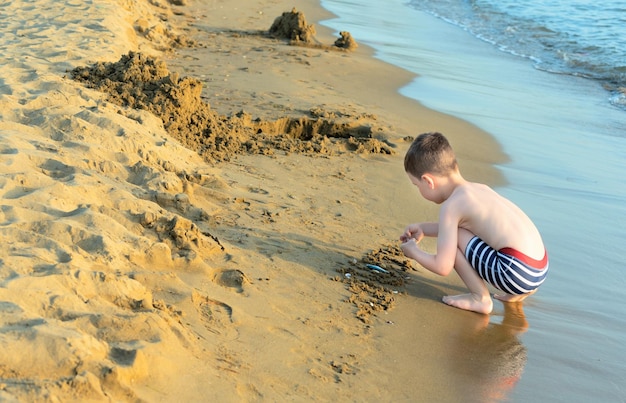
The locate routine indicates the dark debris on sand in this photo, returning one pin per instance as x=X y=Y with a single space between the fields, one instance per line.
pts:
x=373 y=291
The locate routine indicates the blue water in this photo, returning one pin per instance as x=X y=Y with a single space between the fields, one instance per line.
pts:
x=534 y=74
x=578 y=37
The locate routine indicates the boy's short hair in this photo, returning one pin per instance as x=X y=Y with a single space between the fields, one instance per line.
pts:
x=430 y=153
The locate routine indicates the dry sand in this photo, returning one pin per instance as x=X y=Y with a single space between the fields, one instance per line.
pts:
x=145 y=259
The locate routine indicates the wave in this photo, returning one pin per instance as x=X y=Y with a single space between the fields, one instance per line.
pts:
x=582 y=38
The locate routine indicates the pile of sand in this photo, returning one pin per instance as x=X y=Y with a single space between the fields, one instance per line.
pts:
x=141 y=82
x=292 y=25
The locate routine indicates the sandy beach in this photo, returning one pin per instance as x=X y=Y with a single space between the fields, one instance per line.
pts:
x=206 y=239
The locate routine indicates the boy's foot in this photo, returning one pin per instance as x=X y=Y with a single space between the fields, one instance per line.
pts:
x=512 y=298
x=470 y=302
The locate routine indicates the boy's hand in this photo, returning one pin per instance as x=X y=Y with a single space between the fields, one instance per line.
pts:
x=409 y=247
x=412 y=231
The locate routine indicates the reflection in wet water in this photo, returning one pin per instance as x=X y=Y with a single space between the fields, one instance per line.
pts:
x=491 y=356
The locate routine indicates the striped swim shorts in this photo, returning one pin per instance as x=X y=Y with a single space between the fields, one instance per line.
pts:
x=506 y=269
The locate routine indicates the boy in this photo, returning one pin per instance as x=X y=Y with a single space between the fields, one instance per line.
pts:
x=480 y=234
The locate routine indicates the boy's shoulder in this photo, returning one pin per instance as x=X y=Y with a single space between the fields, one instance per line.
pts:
x=468 y=190
x=469 y=194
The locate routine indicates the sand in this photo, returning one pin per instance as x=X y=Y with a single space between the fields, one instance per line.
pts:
x=189 y=203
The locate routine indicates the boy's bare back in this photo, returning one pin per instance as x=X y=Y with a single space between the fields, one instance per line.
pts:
x=494 y=219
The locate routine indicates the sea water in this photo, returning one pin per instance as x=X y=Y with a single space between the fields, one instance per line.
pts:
x=578 y=37
x=546 y=78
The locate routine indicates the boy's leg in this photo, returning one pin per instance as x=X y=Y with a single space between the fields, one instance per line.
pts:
x=478 y=298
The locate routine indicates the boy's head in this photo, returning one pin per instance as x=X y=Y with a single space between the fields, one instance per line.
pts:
x=430 y=153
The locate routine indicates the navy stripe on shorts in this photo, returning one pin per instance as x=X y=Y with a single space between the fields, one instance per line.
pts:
x=508 y=272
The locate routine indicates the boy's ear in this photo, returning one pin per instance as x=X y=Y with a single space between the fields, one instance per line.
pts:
x=430 y=180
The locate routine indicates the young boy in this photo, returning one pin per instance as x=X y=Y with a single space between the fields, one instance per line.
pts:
x=480 y=234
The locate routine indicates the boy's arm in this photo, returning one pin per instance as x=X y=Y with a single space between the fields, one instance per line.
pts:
x=419 y=230
x=442 y=262
x=430 y=228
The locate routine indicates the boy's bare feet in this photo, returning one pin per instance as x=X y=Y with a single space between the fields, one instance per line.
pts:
x=470 y=302
x=512 y=298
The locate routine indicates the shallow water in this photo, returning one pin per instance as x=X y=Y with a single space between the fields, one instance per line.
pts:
x=579 y=37
x=567 y=147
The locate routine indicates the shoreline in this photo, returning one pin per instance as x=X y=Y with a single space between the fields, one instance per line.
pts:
x=311 y=78
x=135 y=270
x=400 y=115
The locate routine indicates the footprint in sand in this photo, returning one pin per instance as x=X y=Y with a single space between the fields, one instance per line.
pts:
x=217 y=316
x=57 y=170
x=234 y=279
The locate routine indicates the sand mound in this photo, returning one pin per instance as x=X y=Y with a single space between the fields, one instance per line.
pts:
x=292 y=25
x=346 y=41
x=142 y=82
